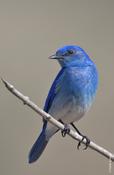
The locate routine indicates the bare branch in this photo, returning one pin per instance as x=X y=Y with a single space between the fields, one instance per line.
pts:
x=49 y=118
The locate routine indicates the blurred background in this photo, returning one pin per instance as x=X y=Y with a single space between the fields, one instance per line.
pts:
x=30 y=31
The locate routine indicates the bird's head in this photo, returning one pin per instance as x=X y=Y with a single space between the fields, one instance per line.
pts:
x=71 y=56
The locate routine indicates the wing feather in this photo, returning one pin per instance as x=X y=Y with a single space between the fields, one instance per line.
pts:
x=55 y=88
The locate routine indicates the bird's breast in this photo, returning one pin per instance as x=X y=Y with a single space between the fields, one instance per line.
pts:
x=75 y=95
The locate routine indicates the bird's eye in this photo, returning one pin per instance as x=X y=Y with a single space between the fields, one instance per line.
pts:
x=70 y=52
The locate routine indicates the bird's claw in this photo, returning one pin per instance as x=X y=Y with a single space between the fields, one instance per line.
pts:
x=66 y=130
x=86 y=144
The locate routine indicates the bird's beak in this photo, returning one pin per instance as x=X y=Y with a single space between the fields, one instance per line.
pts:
x=55 y=57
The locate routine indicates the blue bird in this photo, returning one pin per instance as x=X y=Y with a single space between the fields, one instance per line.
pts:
x=70 y=95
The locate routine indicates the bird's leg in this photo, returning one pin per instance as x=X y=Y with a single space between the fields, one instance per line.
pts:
x=83 y=137
x=66 y=129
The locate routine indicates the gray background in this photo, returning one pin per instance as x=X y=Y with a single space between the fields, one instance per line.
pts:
x=30 y=31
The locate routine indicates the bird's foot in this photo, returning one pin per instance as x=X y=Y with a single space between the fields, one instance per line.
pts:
x=66 y=130
x=83 y=137
x=86 y=144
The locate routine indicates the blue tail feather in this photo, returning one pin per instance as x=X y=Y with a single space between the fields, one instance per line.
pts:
x=38 y=146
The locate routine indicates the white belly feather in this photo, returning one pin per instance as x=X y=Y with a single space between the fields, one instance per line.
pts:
x=68 y=112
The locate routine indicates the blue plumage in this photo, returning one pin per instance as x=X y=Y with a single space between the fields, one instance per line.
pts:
x=52 y=92
x=38 y=146
x=71 y=93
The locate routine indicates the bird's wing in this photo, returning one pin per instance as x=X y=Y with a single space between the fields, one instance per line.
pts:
x=55 y=88
x=42 y=140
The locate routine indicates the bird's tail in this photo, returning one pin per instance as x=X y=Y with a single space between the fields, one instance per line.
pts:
x=38 y=146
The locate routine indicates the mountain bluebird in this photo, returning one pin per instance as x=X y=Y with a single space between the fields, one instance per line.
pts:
x=70 y=96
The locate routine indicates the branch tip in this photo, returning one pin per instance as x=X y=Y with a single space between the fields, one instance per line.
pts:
x=7 y=85
x=4 y=81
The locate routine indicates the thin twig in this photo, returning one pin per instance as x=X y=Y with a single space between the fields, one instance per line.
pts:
x=49 y=118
